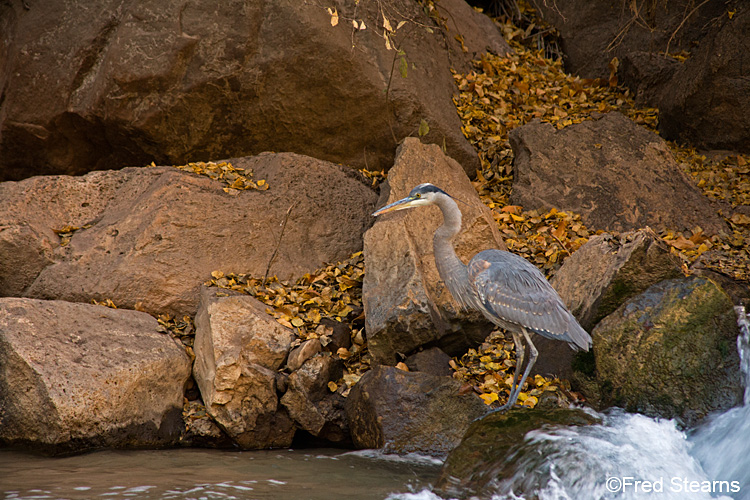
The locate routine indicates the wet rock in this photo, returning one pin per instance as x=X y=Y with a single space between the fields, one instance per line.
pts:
x=105 y=86
x=670 y=352
x=75 y=377
x=404 y=412
x=309 y=400
x=157 y=233
x=482 y=459
x=432 y=361
x=238 y=349
x=305 y=351
x=616 y=174
x=406 y=304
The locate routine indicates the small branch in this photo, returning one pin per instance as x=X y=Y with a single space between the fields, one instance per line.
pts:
x=387 y=95
x=562 y=247
x=666 y=52
x=278 y=242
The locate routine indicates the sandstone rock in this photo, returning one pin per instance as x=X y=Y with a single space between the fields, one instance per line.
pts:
x=617 y=175
x=110 y=85
x=700 y=100
x=75 y=377
x=406 y=304
x=238 y=348
x=200 y=430
x=480 y=463
x=477 y=30
x=705 y=103
x=33 y=209
x=404 y=412
x=670 y=352
x=158 y=233
x=24 y=252
x=302 y=353
x=432 y=361
x=588 y=28
x=308 y=388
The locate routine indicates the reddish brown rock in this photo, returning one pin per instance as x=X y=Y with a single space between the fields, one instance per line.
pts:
x=432 y=361
x=406 y=304
x=238 y=349
x=616 y=174
x=157 y=233
x=110 y=85
x=405 y=412
x=608 y=270
x=311 y=404
x=701 y=99
x=75 y=377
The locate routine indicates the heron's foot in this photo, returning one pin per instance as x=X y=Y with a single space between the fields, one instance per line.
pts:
x=500 y=409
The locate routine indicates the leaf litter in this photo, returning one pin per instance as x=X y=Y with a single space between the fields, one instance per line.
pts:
x=235 y=178
x=332 y=293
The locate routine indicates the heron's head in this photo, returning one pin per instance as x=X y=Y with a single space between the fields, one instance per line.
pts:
x=424 y=194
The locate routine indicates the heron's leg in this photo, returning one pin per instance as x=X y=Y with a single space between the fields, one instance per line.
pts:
x=532 y=359
x=520 y=354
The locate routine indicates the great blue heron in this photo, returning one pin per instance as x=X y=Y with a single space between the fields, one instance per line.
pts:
x=509 y=290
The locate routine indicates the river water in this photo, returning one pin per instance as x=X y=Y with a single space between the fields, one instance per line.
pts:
x=627 y=456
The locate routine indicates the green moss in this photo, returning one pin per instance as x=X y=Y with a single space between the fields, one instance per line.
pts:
x=664 y=353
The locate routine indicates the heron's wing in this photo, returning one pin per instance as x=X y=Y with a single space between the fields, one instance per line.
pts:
x=514 y=291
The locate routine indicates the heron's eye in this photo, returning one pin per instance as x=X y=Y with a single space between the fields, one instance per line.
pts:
x=418 y=195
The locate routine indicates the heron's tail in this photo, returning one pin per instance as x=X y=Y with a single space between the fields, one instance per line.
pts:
x=579 y=339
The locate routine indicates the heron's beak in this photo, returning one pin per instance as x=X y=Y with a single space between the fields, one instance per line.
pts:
x=401 y=204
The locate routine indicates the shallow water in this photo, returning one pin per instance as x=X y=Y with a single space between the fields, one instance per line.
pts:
x=626 y=457
x=208 y=474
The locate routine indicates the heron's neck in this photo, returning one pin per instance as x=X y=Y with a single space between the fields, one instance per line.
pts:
x=452 y=271
x=451 y=223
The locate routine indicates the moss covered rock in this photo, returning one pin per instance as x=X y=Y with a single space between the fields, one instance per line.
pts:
x=670 y=352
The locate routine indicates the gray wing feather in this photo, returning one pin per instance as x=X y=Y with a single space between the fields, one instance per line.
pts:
x=513 y=290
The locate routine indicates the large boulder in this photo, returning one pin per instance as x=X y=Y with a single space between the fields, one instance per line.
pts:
x=406 y=303
x=109 y=85
x=701 y=99
x=157 y=233
x=238 y=351
x=670 y=352
x=410 y=412
x=617 y=175
x=75 y=377
x=480 y=463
